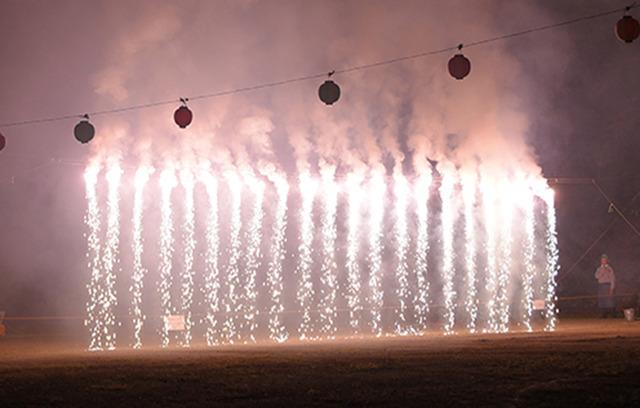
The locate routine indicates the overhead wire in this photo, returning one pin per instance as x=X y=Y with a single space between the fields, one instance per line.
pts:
x=308 y=77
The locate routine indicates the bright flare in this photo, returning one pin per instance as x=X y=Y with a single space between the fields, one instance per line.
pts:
x=141 y=179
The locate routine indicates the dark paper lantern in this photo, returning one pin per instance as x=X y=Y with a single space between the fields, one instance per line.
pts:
x=84 y=131
x=628 y=29
x=459 y=66
x=183 y=116
x=329 y=92
x=3 y=141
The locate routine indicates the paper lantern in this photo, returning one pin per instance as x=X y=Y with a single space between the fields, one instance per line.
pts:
x=183 y=115
x=628 y=29
x=459 y=66
x=329 y=92
x=84 y=131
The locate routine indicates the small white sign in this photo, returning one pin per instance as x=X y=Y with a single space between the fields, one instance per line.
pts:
x=538 y=304
x=174 y=322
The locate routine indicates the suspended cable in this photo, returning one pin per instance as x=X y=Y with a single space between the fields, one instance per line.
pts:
x=322 y=75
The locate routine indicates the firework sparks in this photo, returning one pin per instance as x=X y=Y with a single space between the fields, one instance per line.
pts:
x=552 y=266
x=401 y=192
x=328 y=271
x=212 y=279
x=305 y=288
x=189 y=244
x=95 y=305
x=231 y=307
x=448 y=271
x=376 y=219
x=277 y=330
x=141 y=179
x=504 y=265
x=353 y=245
x=232 y=300
x=421 y=300
x=471 y=297
x=252 y=257
x=529 y=254
x=167 y=183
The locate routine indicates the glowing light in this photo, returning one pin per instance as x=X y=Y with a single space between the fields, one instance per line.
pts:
x=110 y=253
x=141 y=179
x=401 y=192
x=95 y=303
x=469 y=185
x=167 y=183
x=354 y=301
x=252 y=257
x=305 y=289
x=552 y=266
x=232 y=301
x=277 y=330
x=529 y=260
x=421 y=300
x=377 y=191
x=212 y=277
x=328 y=269
x=488 y=203
x=189 y=244
x=504 y=264
x=448 y=269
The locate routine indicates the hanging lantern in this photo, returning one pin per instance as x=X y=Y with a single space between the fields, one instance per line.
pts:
x=84 y=131
x=329 y=91
x=459 y=65
x=183 y=116
x=628 y=28
x=3 y=141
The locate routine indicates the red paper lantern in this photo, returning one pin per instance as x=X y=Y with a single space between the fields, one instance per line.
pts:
x=183 y=116
x=459 y=66
x=3 y=141
x=628 y=29
x=329 y=92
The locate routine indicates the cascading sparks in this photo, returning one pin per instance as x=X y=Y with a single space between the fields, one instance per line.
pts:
x=232 y=300
x=448 y=271
x=212 y=277
x=95 y=304
x=239 y=286
x=488 y=202
x=189 y=244
x=168 y=182
x=504 y=267
x=252 y=259
x=305 y=286
x=401 y=191
x=353 y=245
x=552 y=267
x=471 y=297
x=376 y=223
x=277 y=329
x=110 y=253
x=141 y=179
x=422 y=248
x=328 y=268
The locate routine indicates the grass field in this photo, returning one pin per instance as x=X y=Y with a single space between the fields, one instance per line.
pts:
x=584 y=363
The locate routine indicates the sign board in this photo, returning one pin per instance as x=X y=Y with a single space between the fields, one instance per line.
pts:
x=174 y=322
x=538 y=304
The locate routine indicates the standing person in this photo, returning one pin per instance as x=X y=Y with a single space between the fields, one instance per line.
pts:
x=606 y=285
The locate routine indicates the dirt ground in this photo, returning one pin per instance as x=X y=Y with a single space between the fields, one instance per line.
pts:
x=584 y=363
